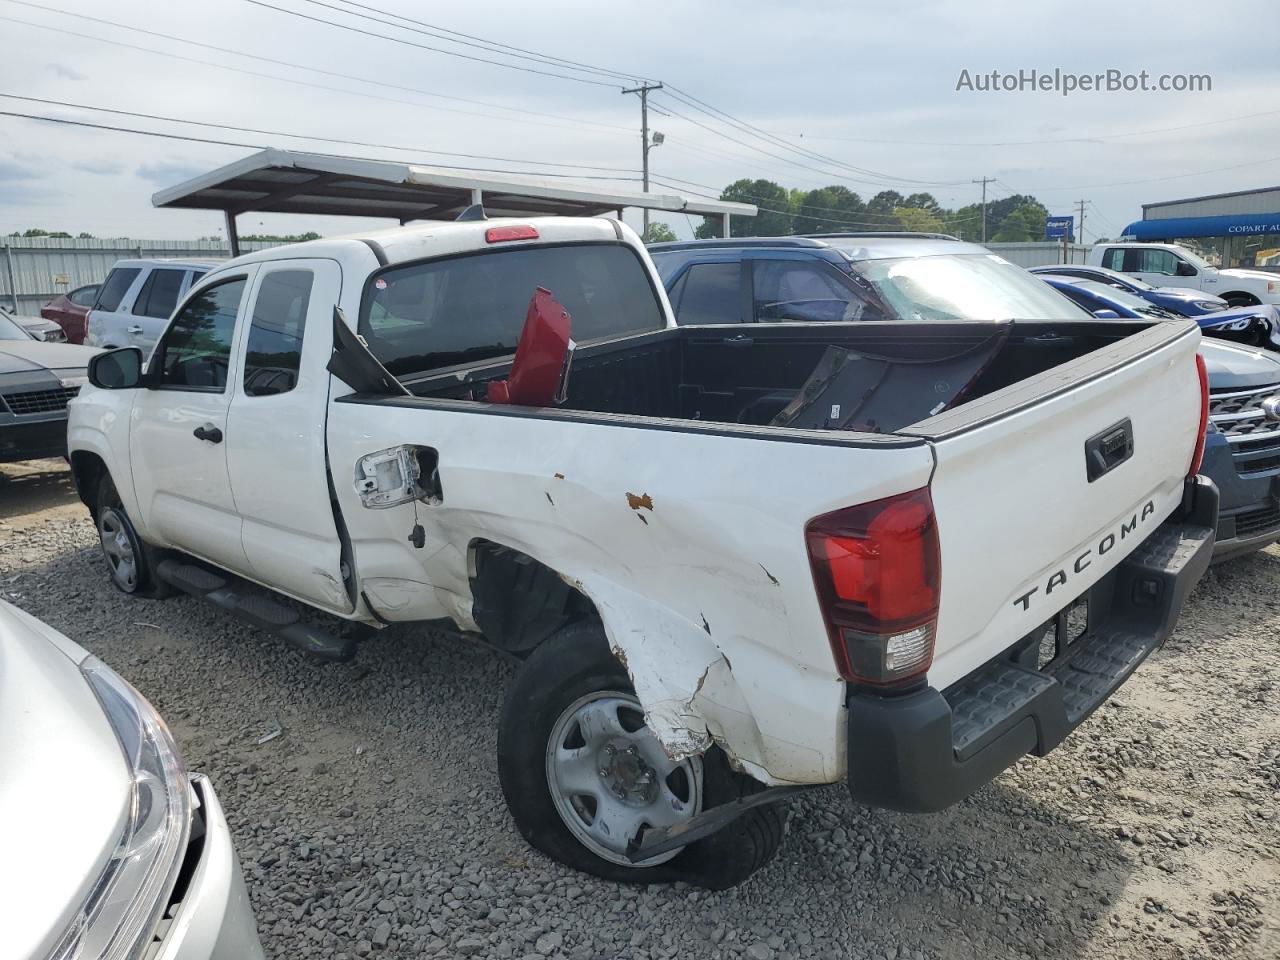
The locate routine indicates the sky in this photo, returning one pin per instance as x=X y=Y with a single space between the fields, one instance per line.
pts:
x=860 y=94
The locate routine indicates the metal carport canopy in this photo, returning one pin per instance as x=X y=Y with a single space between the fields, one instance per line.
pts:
x=287 y=181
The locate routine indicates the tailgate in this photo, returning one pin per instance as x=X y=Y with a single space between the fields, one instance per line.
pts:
x=1023 y=529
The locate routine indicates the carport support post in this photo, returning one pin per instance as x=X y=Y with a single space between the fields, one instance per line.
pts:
x=13 y=283
x=233 y=238
x=726 y=226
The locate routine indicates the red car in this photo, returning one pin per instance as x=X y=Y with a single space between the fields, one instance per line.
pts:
x=70 y=311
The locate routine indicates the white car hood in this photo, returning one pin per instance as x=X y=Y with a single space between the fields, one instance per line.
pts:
x=64 y=786
x=19 y=355
x=1255 y=275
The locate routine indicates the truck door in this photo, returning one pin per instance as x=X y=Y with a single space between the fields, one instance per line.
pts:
x=176 y=441
x=276 y=433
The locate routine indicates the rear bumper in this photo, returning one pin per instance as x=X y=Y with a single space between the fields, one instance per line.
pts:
x=923 y=751
x=33 y=437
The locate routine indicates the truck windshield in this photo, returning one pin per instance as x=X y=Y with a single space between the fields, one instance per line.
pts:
x=438 y=313
x=972 y=286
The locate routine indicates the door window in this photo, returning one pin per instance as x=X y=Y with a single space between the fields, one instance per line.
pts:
x=274 y=352
x=159 y=294
x=1113 y=259
x=711 y=294
x=118 y=283
x=196 y=349
x=1151 y=261
x=806 y=291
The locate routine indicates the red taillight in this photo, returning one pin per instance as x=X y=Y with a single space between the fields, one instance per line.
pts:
x=502 y=234
x=876 y=570
x=1198 y=457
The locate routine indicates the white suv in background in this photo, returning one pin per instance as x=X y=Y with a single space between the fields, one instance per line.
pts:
x=135 y=301
x=1170 y=265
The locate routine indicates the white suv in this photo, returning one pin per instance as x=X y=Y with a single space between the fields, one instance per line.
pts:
x=1169 y=265
x=135 y=301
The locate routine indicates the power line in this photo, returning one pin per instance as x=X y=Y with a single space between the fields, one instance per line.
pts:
x=491 y=46
x=745 y=127
x=423 y=46
x=285 y=63
x=1176 y=176
x=309 y=136
x=64 y=121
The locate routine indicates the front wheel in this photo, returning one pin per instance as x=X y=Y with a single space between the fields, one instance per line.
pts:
x=584 y=777
x=128 y=558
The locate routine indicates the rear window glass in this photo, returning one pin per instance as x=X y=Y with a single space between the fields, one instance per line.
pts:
x=159 y=295
x=423 y=316
x=117 y=285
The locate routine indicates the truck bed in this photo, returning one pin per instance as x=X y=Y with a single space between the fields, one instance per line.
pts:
x=750 y=375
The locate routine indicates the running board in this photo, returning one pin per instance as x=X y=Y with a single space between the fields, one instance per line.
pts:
x=660 y=840
x=256 y=608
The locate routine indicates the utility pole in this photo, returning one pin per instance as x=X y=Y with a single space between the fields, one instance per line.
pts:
x=1080 y=204
x=643 y=90
x=984 y=181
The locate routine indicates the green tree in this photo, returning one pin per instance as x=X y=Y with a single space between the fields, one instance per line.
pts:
x=659 y=233
x=282 y=238
x=828 y=210
x=880 y=211
x=919 y=219
x=1024 y=222
x=772 y=220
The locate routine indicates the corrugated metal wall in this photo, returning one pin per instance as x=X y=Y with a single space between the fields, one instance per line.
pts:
x=1040 y=254
x=32 y=267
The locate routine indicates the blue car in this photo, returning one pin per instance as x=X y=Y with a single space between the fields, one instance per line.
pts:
x=1257 y=326
x=1180 y=300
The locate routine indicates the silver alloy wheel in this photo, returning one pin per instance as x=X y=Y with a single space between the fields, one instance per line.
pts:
x=610 y=778
x=117 y=547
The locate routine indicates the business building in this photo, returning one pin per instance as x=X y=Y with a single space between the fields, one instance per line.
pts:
x=1240 y=229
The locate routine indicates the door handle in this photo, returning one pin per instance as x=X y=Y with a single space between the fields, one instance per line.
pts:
x=135 y=329
x=208 y=432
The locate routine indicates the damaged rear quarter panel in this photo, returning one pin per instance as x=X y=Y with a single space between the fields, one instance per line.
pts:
x=690 y=545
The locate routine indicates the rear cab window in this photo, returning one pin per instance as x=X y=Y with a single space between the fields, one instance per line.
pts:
x=116 y=286
x=431 y=314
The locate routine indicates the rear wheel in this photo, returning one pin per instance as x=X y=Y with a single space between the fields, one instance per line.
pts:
x=584 y=777
x=129 y=560
x=1241 y=299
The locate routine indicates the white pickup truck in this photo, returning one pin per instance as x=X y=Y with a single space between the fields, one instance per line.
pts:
x=901 y=554
x=1170 y=265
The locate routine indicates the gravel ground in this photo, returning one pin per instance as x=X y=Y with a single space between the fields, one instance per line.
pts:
x=373 y=824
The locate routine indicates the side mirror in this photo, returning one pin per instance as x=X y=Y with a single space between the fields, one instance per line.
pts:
x=117 y=369
x=1105 y=314
x=1184 y=269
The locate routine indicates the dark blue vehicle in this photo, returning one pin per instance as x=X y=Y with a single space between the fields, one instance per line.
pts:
x=1257 y=326
x=852 y=277
x=1181 y=300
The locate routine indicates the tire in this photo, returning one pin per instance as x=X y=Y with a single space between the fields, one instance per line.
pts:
x=130 y=561
x=574 y=671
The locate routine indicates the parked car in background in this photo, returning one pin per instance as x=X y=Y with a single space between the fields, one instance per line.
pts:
x=1242 y=445
x=1257 y=326
x=1183 y=301
x=865 y=571
x=38 y=327
x=135 y=301
x=36 y=382
x=70 y=310
x=1171 y=265
x=123 y=852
